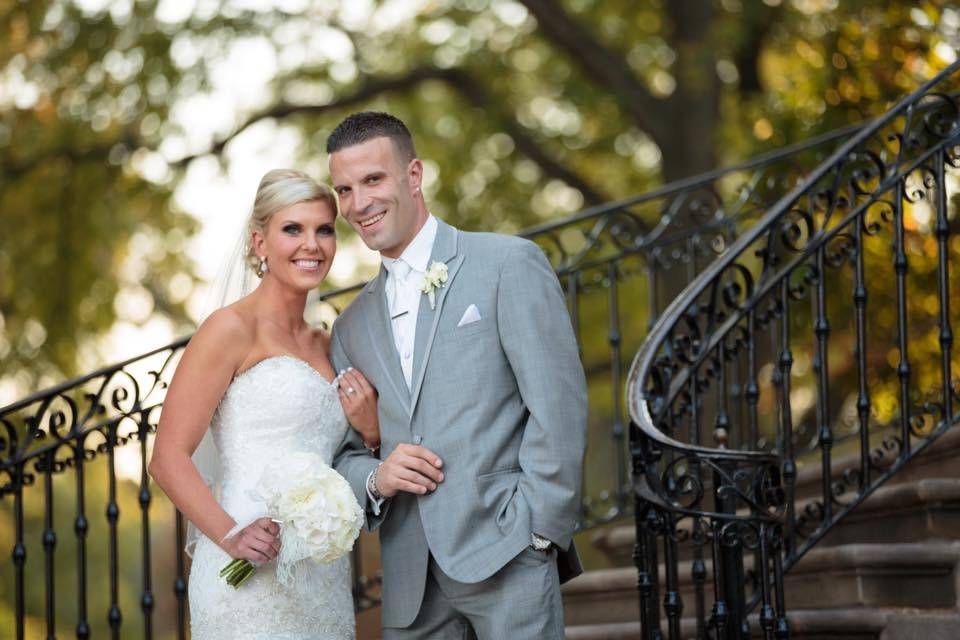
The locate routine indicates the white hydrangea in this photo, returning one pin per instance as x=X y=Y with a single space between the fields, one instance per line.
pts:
x=319 y=516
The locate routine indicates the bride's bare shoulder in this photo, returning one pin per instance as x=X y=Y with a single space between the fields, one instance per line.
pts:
x=230 y=329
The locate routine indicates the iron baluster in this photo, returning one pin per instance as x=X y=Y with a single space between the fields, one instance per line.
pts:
x=903 y=367
x=698 y=573
x=180 y=581
x=863 y=393
x=732 y=365
x=943 y=281
x=49 y=542
x=721 y=431
x=614 y=338
x=80 y=528
x=649 y=622
x=821 y=330
x=782 y=630
x=731 y=558
x=654 y=524
x=788 y=465
x=114 y=617
x=752 y=389
x=721 y=614
x=672 y=602
x=19 y=550
x=146 y=599
x=766 y=608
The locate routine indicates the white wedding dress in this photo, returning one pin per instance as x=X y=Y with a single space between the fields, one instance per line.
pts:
x=278 y=406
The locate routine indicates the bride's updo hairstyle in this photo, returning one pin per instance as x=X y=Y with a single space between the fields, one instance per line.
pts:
x=279 y=189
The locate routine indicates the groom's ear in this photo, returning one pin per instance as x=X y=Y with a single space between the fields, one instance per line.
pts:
x=415 y=175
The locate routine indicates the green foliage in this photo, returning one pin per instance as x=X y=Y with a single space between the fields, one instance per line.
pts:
x=80 y=118
x=515 y=127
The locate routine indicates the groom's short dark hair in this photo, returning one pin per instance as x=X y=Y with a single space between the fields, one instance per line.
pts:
x=367 y=125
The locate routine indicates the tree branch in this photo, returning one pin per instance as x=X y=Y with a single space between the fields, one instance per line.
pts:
x=606 y=67
x=459 y=80
x=470 y=89
x=371 y=89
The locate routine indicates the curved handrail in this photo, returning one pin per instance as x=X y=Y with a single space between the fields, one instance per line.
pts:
x=640 y=370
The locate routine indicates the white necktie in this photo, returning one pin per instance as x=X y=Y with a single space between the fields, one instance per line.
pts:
x=398 y=304
x=403 y=314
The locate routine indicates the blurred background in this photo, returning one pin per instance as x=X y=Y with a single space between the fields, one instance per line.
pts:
x=133 y=135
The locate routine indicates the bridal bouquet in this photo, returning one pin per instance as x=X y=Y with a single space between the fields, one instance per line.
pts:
x=317 y=512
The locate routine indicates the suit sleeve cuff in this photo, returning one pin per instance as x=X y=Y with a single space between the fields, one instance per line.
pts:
x=554 y=532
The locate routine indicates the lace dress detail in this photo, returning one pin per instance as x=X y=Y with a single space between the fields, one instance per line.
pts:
x=278 y=406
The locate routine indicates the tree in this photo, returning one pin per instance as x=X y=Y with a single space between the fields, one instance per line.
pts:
x=524 y=110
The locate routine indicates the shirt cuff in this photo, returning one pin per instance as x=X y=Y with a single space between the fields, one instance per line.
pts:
x=375 y=503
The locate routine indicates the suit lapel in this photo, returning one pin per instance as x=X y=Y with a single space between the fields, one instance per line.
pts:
x=445 y=249
x=381 y=336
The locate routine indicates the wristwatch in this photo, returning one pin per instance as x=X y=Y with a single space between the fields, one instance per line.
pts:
x=372 y=484
x=539 y=543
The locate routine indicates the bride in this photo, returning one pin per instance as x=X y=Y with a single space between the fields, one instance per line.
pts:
x=260 y=377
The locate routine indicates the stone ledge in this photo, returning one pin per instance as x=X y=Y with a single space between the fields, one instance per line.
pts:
x=830 y=624
x=856 y=576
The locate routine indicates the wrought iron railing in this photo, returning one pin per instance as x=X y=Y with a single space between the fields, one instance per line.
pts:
x=85 y=443
x=830 y=316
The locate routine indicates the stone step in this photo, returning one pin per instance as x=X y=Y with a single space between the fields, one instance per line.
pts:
x=919 y=510
x=860 y=623
x=925 y=509
x=939 y=460
x=920 y=575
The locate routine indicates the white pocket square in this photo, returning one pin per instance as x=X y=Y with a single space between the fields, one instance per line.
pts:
x=471 y=315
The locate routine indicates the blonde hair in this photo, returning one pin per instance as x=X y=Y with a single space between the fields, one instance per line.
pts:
x=279 y=189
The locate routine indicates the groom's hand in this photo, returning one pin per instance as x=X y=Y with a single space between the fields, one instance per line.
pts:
x=409 y=468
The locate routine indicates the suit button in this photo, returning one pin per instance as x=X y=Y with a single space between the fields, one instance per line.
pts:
x=417 y=439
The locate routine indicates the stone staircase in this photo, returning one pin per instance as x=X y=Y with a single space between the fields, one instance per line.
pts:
x=888 y=571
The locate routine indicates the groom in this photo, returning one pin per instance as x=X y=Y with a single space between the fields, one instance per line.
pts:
x=482 y=406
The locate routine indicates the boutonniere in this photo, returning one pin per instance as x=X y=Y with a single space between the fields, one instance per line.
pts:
x=433 y=279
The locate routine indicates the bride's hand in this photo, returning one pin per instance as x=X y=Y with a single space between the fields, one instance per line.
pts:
x=258 y=542
x=359 y=400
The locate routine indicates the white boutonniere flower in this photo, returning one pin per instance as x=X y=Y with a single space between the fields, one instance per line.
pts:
x=433 y=279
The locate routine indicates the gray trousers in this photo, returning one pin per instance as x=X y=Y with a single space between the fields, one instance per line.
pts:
x=519 y=602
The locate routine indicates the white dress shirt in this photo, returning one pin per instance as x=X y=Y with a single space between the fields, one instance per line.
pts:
x=403 y=291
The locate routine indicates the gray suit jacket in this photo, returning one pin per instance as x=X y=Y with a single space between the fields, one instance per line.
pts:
x=502 y=401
